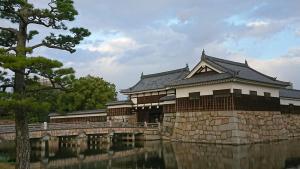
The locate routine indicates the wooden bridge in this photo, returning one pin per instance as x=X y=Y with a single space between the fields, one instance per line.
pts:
x=43 y=130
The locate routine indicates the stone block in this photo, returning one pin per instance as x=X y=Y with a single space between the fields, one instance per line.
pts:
x=228 y=126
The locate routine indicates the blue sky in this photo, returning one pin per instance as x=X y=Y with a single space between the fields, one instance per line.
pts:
x=134 y=36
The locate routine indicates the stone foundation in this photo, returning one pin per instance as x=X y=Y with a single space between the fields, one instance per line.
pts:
x=168 y=124
x=232 y=127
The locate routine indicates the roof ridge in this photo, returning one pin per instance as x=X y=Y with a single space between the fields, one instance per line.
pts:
x=230 y=71
x=227 y=61
x=164 y=73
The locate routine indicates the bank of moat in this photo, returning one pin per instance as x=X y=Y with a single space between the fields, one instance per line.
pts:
x=217 y=101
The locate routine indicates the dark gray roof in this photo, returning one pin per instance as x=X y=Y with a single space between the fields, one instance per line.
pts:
x=203 y=78
x=168 y=98
x=243 y=71
x=289 y=93
x=79 y=112
x=158 y=80
x=120 y=102
x=231 y=70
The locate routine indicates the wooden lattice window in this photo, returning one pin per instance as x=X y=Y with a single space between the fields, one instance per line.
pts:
x=267 y=94
x=253 y=93
x=194 y=95
x=221 y=93
x=237 y=92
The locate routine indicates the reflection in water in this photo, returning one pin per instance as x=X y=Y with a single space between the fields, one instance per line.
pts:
x=69 y=153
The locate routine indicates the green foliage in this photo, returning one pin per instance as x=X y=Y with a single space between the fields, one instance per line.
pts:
x=54 y=16
x=66 y=42
x=87 y=93
x=25 y=98
x=7 y=39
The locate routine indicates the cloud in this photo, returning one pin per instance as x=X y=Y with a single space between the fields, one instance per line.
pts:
x=297 y=32
x=133 y=36
x=257 y=24
x=114 y=46
x=285 y=69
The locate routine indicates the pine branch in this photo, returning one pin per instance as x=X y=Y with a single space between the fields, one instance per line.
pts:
x=5 y=86
x=53 y=46
x=37 y=46
x=12 y=30
x=10 y=49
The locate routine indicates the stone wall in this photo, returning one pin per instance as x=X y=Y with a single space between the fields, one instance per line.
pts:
x=168 y=125
x=234 y=127
x=292 y=122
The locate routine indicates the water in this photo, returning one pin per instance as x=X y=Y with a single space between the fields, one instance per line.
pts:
x=158 y=155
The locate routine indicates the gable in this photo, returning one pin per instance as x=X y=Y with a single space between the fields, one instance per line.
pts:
x=203 y=68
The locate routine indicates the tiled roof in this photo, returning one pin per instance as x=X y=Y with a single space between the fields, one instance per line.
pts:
x=120 y=102
x=168 y=98
x=231 y=70
x=289 y=93
x=243 y=71
x=96 y=111
x=202 y=79
x=158 y=80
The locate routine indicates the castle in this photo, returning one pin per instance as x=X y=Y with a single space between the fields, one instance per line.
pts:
x=218 y=101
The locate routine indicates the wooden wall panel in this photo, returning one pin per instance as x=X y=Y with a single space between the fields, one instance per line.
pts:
x=228 y=102
x=204 y=103
x=169 y=108
x=119 y=111
x=149 y=99
x=256 y=103
x=79 y=119
x=288 y=109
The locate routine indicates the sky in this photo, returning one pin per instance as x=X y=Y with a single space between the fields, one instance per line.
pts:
x=134 y=36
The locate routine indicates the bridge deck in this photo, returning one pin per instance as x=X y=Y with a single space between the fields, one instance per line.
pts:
x=65 y=129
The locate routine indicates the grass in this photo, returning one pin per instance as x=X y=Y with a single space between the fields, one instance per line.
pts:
x=6 y=166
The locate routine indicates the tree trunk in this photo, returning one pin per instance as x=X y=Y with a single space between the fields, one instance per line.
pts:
x=22 y=141
x=21 y=119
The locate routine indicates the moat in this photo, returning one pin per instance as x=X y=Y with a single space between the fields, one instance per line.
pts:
x=158 y=155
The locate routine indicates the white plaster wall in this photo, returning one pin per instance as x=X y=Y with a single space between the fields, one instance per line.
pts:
x=260 y=89
x=134 y=100
x=286 y=101
x=208 y=89
x=202 y=63
x=204 y=90
x=118 y=106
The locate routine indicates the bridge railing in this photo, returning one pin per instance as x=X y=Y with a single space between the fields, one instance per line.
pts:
x=86 y=125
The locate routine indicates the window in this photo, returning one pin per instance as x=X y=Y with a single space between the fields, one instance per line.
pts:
x=253 y=93
x=221 y=93
x=267 y=94
x=194 y=95
x=237 y=91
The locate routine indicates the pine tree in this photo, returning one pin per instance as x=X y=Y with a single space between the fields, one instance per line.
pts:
x=27 y=69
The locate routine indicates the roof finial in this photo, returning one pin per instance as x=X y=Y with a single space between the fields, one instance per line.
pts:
x=203 y=54
x=246 y=63
x=187 y=65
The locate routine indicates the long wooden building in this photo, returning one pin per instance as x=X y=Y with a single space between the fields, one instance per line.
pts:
x=98 y=115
